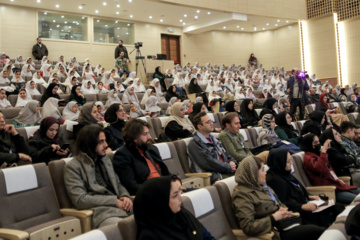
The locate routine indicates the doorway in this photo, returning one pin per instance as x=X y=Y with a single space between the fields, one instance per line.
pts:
x=170 y=45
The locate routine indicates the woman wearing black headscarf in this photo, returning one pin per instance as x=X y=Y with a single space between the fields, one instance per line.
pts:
x=285 y=130
x=51 y=91
x=269 y=107
x=115 y=116
x=198 y=107
x=292 y=193
x=248 y=116
x=343 y=95
x=315 y=124
x=159 y=75
x=195 y=88
x=46 y=144
x=159 y=215
x=341 y=161
x=76 y=95
x=171 y=92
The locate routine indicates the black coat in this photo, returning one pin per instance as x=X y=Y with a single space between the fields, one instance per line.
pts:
x=41 y=150
x=174 y=131
x=39 y=52
x=132 y=168
x=120 y=49
x=302 y=88
x=18 y=145
x=114 y=137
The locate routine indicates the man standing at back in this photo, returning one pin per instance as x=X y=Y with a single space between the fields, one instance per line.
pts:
x=121 y=48
x=207 y=152
x=39 y=50
x=296 y=88
x=138 y=160
x=91 y=182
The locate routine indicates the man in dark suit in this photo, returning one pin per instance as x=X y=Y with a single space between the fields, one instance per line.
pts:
x=296 y=88
x=39 y=50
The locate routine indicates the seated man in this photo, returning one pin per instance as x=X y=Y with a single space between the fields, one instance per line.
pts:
x=13 y=148
x=347 y=140
x=357 y=135
x=91 y=181
x=313 y=98
x=233 y=141
x=207 y=153
x=138 y=160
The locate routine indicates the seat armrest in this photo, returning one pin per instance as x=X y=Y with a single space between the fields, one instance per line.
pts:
x=239 y=234
x=345 y=179
x=13 y=234
x=205 y=175
x=83 y=215
x=327 y=190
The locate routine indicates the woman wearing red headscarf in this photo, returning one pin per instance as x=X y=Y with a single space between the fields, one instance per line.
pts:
x=335 y=115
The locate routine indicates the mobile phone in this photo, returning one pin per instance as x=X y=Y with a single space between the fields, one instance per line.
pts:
x=65 y=146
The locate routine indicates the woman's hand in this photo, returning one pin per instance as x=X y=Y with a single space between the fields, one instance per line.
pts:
x=326 y=146
x=281 y=214
x=55 y=147
x=310 y=207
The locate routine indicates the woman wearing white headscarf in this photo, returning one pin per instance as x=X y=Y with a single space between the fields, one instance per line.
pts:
x=100 y=89
x=101 y=110
x=58 y=65
x=149 y=92
x=19 y=60
x=62 y=72
x=37 y=78
x=88 y=74
x=239 y=95
x=171 y=102
x=280 y=90
x=128 y=82
x=50 y=108
x=97 y=69
x=107 y=79
x=151 y=105
x=31 y=88
x=210 y=87
x=25 y=71
x=87 y=87
x=29 y=116
x=168 y=73
x=74 y=62
x=44 y=60
x=249 y=94
x=129 y=96
x=31 y=63
x=177 y=125
x=119 y=87
x=46 y=70
x=71 y=111
x=218 y=86
x=160 y=95
x=112 y=98
x=138 y=86
x=265 y=94
x=229 y=85
x=22 y=99
x=136 y=111
x=8 y=69
x=179 y=83
x=187 y=78
x=3 y=77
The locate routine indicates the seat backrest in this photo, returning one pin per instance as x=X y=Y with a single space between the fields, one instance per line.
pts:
x=56 y=169
x=102 y=97
x=300 y=124
x=214 y=118
x=164 y=106
x=247 y=138
x=182 y=150
x=352 y=117
x=140 y=95
x=299 y=172
x=254 y=132
x=12 y=99
x=261 y=100
x=168 y=82
x=206 y=206
x=341 y=106
x=27 y=132
x=110 y=232
x=310 y=108
x=335 y=231
x=170 y=158
x=151 y=130
x=27 y=197
x=128 y=228
x=90 y=98
x=225 y=189
x=257 y=93
x=158 y=124
x=66 y=97
x=10 y=114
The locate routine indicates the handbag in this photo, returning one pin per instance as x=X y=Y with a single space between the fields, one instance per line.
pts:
x=289 y=223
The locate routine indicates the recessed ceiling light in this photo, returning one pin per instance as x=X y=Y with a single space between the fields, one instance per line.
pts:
x=50 y=29
x=117 y=13
x=45 y=13
x=69 y=27
x=38 y=1
x=267 y=24
x=185 y=15
x=62 y=16
x=57 y=25
x=117 y=5
x=263 y=28
x=54 y=20
x=80 y=7
x=65 y=22
x=161 y=20
x=98 y=20
x=118 y=28
x=104 y=3
x=106 y=25
x=127 y=33
x=62 y=30
x=181 y=20
x=198 y=11
x=209 y=13
x=196 y=17
x=242 y=29
x=276 y=25
x=238 y=26
x=116 y=21
x=96 y=11
x=278 y=20
x=255 y=28
x=83 y=18
x=131 y=16
x=224 y=27
x=128 y=25
x=11 y=0
x=130 y=0
x=57 y=5
x=150 y=17
x=118 y=35
x=184 y=23
x=287 y=21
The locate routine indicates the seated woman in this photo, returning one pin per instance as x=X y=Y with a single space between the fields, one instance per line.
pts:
x=160 y=76
x=100 y=89
x=23 y=98
x=265 y=94
x=177 y=126
x=101 y=110
x=138 y=86
x=136 y=111
x=28 y=116
x=46 y=144
x=249 y=94
x=239 y=95
x=342 y=162
x=248 y=115
x=13 y=148
x=253 y=60
x=158 y=91
x=77 y=96
x=31 y=88
x=88 y=115
x=267 y=135
x=316 y=124
x=197 y=108
x=107 y=79
x=51 y=91
x=188 y=106
x=171 y=102
x=149 y=92
x=129 y=96
x=158 y=203
x=151 y=105
x=119 y=87
x=195 y=88
x=71 y=111
x=257 y=207
x=214 y=98
x=269 y=107
x=293 y=194
x=50 y=108
x=26 y=71
x=323 y=106
x=343 y=95
x=320 y=172
x=171 y=92
x=285 y=130
x=115 y=116
x=112 y=98
x=179 y=83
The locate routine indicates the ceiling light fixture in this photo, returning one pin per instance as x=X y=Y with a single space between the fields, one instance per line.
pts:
x=45 y=13
x=181 y=20
x=185 y=15
x=278 y=20
x=104 y=3
x=57 y=5
x=263 y=28
x=128 y=25
x=198 y=11
x=127 y=33
x=224 y=27
x=117 y=13
x=238 y=26
x=161 y=20
x=267 y=24
x=98 y=20
x=96 y=11
x=209 y=13
x=130 y=1
x=150 y=17
x=287 y=21
x=117 y=5
x=54 y=20
x=65 y=22
x=131 y=16
x=38 y=1
x=11 y=0
x=116 y=21
x=83 y=18
x=196 y=17
x=242 y=29
x=62 y=16
x=57 y=25
x=80 y=7
x=255 y=28
x=184 y=23
x=276 y=25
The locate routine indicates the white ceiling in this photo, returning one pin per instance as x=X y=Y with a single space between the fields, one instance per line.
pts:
x=191 y=19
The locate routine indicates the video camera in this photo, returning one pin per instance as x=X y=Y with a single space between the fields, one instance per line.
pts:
x=138 y=45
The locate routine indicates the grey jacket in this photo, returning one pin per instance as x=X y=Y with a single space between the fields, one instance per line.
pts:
x=205 y=157
x=86 y=193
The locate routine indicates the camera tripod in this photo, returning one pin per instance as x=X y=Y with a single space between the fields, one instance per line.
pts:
x=137 y=58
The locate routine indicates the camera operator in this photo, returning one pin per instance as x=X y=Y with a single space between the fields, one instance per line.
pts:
x=296 y=88
x=121 y=48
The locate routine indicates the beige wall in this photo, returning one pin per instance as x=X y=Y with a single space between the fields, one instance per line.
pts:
x=320 y=41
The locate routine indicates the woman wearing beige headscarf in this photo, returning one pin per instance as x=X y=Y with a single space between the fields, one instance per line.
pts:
x=177 y=125
x=29 y=116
